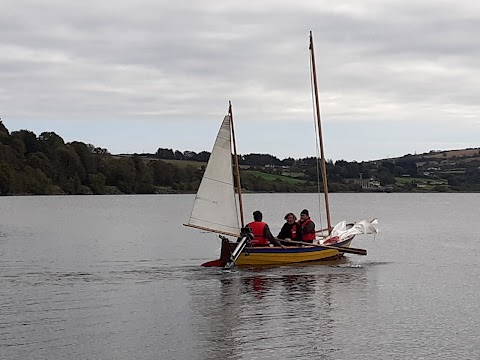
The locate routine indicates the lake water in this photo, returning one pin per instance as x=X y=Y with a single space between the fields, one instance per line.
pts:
x=118 y=277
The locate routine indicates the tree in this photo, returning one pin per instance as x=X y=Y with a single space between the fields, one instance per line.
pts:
x=203 y=156
x=18 y=145
x=4 y=134
x=40 y=161
x=121 y=173
x=97 y=182
x=398 y=171
x=49 y=142
x=4 y=138
x=28 y=138
x=388 y=165
x=178 y=155
x=190 y=155
x=68 y=162
x=10 y=156
x=69 y=169
x=386 y=178
x=162 y=173
x=410 y=166
x=7 y=178
x=35 y=181
x=86 y=157
x=143 y=177
x=3 y=129
x=166 y=154
x=260 y=160
x=288 y=161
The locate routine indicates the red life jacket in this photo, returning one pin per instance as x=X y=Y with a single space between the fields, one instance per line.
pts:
x=308 y=235
x=294 y=231
x=257 y=229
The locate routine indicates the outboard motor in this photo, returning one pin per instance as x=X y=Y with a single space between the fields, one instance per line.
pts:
x=246 y=235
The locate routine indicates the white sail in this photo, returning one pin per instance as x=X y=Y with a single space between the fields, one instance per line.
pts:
x=341 y=232
x=215 y=207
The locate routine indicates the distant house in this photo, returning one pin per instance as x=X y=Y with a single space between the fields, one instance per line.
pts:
x=364 y=183
x=272 y=166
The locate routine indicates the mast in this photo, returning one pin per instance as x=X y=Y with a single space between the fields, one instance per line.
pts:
x=237 y=168
x=319 y=125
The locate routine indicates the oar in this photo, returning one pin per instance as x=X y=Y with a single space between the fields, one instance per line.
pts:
x=338 y=248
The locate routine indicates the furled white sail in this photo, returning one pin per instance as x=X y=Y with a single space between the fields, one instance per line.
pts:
x=341 y=232
x=215 y=207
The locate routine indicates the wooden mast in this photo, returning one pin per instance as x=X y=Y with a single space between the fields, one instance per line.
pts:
x=237 y=168
x=319 y=125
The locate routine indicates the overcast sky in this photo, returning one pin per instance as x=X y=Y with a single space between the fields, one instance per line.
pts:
x=395 y=77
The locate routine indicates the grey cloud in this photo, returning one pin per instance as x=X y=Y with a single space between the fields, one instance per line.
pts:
x=377 y=60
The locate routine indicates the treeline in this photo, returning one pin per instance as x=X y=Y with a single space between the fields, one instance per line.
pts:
x=45 y=164
x=203 y=156
x=337 y=171
x=341 y=173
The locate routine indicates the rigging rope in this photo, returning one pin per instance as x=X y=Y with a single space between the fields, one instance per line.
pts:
x=317 y=147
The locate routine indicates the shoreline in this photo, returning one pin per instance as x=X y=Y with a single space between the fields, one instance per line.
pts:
x=174 y=192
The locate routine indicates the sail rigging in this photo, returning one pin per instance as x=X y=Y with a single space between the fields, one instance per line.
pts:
x=215 y=207
x=237 y=167
x=320 y=136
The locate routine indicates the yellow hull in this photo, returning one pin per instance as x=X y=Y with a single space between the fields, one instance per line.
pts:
x=275 y=256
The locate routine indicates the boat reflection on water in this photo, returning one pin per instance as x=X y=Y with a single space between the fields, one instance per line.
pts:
x=267 y=313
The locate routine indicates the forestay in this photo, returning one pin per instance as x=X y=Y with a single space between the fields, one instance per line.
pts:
x=215 y=206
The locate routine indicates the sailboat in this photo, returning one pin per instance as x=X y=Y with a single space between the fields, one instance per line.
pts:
x=216 y=209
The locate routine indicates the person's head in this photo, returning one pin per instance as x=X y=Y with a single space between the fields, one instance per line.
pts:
x=304 y=215
x=291 y=218
x=257 y=216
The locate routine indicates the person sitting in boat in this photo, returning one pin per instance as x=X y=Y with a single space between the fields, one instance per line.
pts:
x=291 y=230
x=261 y=232
x=308 y=226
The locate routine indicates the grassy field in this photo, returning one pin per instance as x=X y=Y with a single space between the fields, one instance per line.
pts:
x=293 y=174
x=458 y=172
x=423 y=184
x=405 y=180
x=271 y=177
x=455 y=153
x=185 y=163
